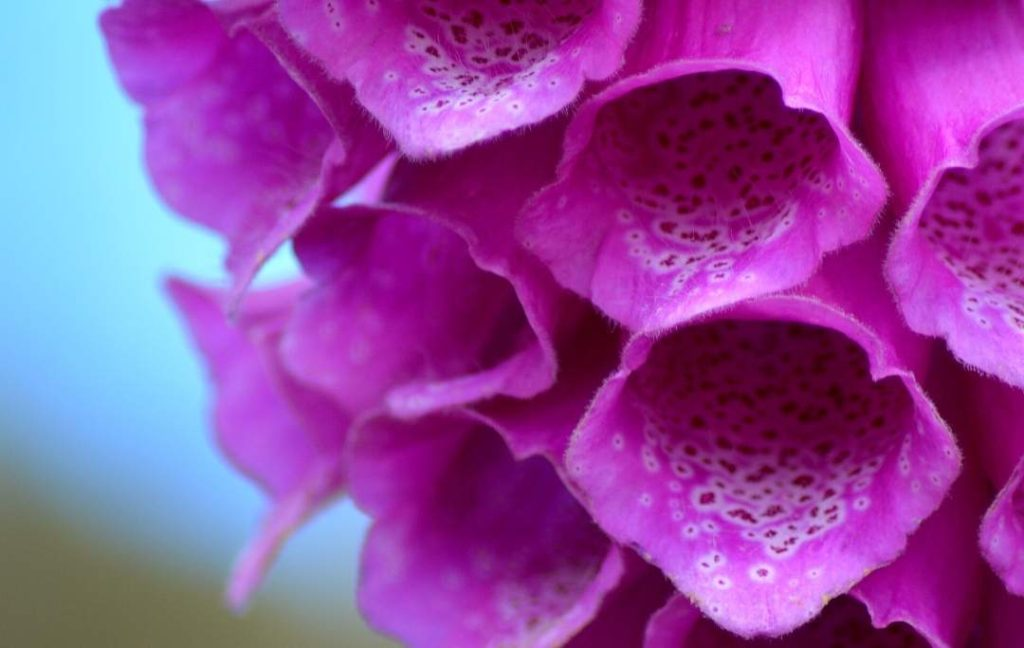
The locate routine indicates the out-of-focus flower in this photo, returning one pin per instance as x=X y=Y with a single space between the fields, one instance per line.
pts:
x=443 y=74
x=944 y=108
x=429 y=278
x=232 y=141
x=283 y=434
x=719 y=168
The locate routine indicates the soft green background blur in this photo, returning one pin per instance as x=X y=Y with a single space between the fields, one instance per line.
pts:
x=118 y=521
x=61 y=587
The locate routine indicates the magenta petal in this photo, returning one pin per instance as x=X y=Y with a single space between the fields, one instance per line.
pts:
x=401 y=311
x=724 y=171
x=844 y=622
x=285 y=436
x=937 y=584
x=469 y=546
x=441 y=75
x=952 y=141
x=765 y=458
x=477 y=194
x=232 y=142
x=159 y=47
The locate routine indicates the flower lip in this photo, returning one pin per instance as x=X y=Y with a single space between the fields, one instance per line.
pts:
x=957 y=260
x=751 y=459
x=440 y=75
x=706 y=203
x=843 y=620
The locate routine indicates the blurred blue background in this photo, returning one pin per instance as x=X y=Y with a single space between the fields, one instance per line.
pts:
x=103 y=404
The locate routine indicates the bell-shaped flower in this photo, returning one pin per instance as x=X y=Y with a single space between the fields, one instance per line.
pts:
x=443 y=74
x=768 y=457
x=944 y=111
x=427 y=292
x=232 y=141
x=720 y=167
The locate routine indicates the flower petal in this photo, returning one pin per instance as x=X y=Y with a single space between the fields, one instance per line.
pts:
x=952 y=140
x=285 y=436
x=440 y=75
x=232 y=142
x=766 y=458
x=469 y=546
x=401 y=312
x=721 y=169
x=477 y=194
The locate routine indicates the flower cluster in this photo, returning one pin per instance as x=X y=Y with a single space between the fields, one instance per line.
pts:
x=609 y=318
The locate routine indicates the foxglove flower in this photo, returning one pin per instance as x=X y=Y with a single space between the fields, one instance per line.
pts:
x=232 y=141
x=427 y=289
x=591 y=324
x=720 y=167
x=944 y=106
x=768 y=457
x=278 y=431
x=441 y=74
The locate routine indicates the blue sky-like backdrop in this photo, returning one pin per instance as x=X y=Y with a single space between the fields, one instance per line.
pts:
x=104 y=402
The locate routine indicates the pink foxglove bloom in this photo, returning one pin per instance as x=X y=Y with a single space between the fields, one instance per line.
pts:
x=944 y=105
x=278 y=431
x=426 y=288
x=719 y=167
x=232 y=141
x=592 y=322
x=443 y=74
x=768 y=457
